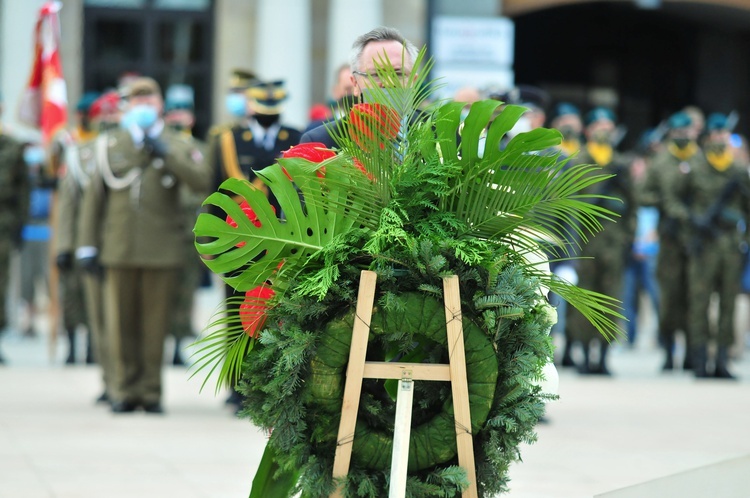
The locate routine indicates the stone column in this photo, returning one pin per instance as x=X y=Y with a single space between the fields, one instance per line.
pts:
x=347 y=20
x=283 y=35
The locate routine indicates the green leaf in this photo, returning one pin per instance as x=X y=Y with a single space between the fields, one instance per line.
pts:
x=270 y=480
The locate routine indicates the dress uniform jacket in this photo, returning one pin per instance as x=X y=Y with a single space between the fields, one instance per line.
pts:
x=132 y=210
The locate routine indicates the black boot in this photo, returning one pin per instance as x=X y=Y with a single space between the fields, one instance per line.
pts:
x=699 y=362
x=567 y=358
x=89 y=350
x=601 y=368
x=71 y=347
x=668 y=358
x=584 y=368
x=722 y=360
x=177 y=359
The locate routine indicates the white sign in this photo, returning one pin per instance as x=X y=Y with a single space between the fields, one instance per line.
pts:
x=473 y=39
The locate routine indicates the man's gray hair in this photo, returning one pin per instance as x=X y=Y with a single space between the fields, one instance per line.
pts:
x=382 y=33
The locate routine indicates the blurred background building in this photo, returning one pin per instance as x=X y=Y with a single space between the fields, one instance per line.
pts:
x=645 y=58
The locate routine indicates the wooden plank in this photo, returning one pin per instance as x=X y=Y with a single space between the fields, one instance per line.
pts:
x=459 y=383
x=401 y=434
x=354 y=371
x=418 y=371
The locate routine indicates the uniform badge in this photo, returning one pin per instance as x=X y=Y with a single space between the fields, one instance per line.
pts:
x=283 y=135
x=157 y=163
x=684 y=168
x=247 y=135
x=196 y=155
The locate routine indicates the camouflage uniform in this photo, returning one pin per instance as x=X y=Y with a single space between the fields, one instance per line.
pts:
x=604 y=255
x=716 y=238
x=668 y=177
x=14 y=208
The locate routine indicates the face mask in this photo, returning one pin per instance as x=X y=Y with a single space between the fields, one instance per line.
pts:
x=33 y=155
x=602 y=137
x=144 y=116
x=266 y=120
x=568 y=132
x=397 y=98
x=681 y=143
x=716 y=148
x=236 y=104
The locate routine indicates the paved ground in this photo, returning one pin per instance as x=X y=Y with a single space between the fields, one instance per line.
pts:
x=603 y=434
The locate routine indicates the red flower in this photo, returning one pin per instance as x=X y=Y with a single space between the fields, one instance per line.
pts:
x=373 y=121
x=312 y=151
x=253 y=309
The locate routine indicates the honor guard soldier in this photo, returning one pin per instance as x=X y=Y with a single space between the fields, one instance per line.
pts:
x=243 y=150
x=236 y=105
x=667 y=176
x=179 y=106
x=603 y=256
x=14 y=209
x=719 y=208
x=129 y=228
x=78 y=167
x=567 y=120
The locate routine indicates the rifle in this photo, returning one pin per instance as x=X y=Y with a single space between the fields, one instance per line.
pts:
x=707 y=224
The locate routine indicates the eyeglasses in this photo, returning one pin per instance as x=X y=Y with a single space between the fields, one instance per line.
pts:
x=399 y=74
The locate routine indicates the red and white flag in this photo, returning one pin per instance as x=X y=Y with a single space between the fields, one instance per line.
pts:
x=44 y=102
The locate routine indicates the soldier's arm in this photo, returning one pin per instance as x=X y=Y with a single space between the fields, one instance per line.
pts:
x=649 y=194
x=90 y=218
x=67 y=204
x=187 y=162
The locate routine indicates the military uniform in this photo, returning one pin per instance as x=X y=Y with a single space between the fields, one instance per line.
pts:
x=668 y=176
x=719 y=208
x=131 y=214
x=604 y=255
x=14 y=208
x=76 y=174
x=179 y=103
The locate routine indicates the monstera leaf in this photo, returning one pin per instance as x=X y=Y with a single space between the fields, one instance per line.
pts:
x=247 y=255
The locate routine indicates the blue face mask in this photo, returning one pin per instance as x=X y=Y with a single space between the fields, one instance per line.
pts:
x=144 y=116
x=33 y=155
x=236 y=104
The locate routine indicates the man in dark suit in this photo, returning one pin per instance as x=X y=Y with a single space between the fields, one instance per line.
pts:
x=368 y=49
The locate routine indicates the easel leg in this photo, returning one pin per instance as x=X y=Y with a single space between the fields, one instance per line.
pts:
x=401 y=434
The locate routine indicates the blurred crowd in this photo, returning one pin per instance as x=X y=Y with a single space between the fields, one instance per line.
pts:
x=113 y=200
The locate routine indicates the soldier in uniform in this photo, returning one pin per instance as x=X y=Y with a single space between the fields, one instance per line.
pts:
x=179 y=116
x=718 y=210
x=253 y=145
x=79 y=165
x=567 y=120
x=14 y=208
x=667 y=176
x=73 y=176
x=604 y=255
x=128 y=226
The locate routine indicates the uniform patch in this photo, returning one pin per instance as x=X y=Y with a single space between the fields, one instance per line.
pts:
x=247 y=135
x=196 y=155
x=684 y=168
x=283 y=135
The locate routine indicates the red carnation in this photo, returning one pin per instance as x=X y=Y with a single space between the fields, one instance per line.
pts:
x=373 y=121
x=253 y=309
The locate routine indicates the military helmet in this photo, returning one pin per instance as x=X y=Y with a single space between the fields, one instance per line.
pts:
x=679 y=120
x=179 y=97
x=599 y=114
x=717 y=122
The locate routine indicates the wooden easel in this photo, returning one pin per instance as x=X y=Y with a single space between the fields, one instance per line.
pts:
x=359 y=369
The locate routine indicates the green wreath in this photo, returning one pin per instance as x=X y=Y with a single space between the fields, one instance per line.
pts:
x=432 y=442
